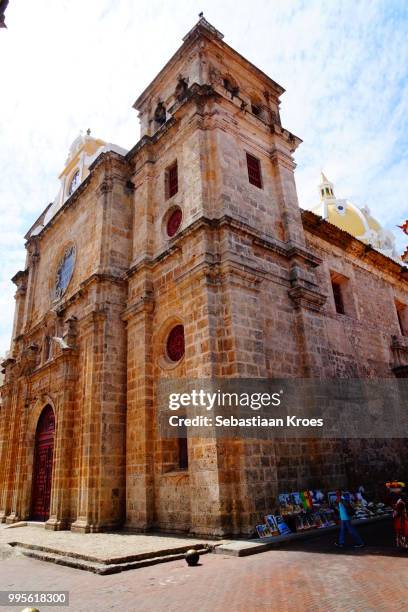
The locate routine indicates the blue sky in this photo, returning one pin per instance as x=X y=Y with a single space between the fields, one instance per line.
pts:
x=70 y=65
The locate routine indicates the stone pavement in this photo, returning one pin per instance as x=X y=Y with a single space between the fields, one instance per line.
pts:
x=103 y=546
x=304 y=576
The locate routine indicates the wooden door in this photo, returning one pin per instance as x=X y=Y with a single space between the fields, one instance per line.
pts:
x=42 y=471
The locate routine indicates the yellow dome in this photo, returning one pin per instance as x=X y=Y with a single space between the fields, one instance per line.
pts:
x=354 y=220
x=350 y=221
x=373 y=224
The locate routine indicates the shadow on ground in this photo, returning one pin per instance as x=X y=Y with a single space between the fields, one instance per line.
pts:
x=378 y=539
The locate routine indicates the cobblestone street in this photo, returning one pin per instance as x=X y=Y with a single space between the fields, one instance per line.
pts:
x=308 y=575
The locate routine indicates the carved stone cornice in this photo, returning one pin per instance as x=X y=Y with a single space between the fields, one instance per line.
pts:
x=202 y=270
x=43 y=372
x=20 y=280
x=8 y=365
x=304 y=292
x=314 y=224
x=280 y=157
x=242 y=275
x=288 y=250
x=98 y=314
x=297 y=252
x=304 y=297
x=144 y=303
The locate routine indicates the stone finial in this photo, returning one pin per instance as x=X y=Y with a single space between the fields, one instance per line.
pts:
x=203 y=23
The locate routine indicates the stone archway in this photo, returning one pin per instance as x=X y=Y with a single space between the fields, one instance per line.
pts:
x=42 y=465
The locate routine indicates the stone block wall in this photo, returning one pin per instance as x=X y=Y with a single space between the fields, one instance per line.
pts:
x=247 y=276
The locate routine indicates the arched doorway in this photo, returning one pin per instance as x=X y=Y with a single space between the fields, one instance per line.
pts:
x=42 y=470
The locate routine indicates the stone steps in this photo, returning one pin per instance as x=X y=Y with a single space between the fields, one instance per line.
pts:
x=104 y=566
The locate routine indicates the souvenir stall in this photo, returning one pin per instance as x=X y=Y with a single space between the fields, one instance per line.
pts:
x=315 y=509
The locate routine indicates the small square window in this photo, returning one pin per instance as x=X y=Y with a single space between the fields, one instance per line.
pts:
x=182 y=453
x=171 y=181
x=338 y=297
x=254 y=171
x=402 y=315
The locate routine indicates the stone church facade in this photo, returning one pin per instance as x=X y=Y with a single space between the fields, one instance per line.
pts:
x=187 y=256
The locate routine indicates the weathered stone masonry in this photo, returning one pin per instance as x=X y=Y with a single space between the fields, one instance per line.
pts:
x=247 y=275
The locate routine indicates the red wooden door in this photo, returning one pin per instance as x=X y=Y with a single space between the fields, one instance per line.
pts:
x=42 y=472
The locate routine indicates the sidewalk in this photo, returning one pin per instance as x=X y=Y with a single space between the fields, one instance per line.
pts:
x=108 y=553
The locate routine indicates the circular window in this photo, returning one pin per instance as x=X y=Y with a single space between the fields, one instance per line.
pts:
x=175 y=343
x=174 y=222
x=74 y=183
x=64 y=272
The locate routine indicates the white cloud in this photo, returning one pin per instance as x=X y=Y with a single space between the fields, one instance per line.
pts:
x=71 y=64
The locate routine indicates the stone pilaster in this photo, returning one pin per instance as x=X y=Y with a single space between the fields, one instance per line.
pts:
x=33 y=260
x=7 y=512
x=60 y=505
x=20 y=280
x=140 y=414
x=283 y=168
x=91 y=329
x=102 y=440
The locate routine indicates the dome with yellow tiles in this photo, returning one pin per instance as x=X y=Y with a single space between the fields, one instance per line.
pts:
x=352 y=219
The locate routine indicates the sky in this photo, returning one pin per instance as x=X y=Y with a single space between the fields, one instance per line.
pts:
x=68 y=65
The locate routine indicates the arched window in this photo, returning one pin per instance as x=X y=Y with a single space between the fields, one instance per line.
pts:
x=76 y=179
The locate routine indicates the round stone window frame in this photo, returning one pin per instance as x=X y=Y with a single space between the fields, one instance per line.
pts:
x=176 y=337
x=166 y=218
x=164 y=361
x=53 y=277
